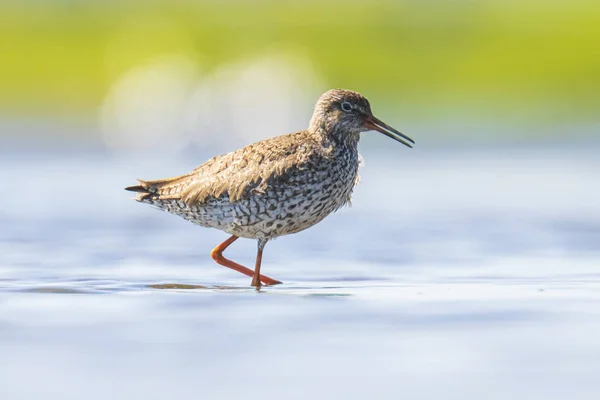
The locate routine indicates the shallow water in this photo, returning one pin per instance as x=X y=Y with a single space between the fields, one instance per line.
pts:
x=469 y=274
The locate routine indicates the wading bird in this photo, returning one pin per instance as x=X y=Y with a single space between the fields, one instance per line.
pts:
x=277 y=186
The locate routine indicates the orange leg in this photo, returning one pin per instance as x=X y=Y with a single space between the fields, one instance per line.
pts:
x=255 y=280
x=217 y=255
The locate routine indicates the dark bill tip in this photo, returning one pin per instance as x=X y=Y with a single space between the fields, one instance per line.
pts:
x=380 y=126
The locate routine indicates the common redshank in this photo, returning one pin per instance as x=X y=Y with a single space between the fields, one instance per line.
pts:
x=277 y=186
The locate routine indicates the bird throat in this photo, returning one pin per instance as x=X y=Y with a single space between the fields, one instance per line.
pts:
x=338 y=137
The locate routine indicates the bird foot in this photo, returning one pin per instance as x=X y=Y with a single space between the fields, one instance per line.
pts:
x=265 y=281
x=256 y=282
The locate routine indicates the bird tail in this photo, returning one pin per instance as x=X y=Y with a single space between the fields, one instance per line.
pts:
x=163 y=189
x=144 y=190
x=137 y=189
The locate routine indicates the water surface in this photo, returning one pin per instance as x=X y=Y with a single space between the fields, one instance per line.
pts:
x=469 y=274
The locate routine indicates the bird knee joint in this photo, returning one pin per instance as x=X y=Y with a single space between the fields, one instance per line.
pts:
x=216 y=254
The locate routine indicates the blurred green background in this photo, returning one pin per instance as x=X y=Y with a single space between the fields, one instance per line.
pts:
x=526 y=62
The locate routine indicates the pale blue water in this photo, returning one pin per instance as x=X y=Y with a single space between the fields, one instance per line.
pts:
x=464 y=274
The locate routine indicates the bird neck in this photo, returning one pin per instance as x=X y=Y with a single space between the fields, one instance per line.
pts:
x=334 y=134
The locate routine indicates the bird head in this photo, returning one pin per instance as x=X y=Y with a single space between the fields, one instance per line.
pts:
x=340 y=110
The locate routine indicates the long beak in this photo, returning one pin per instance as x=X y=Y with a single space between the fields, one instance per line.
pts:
x=380 y=126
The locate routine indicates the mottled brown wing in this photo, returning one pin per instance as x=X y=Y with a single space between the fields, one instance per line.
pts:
x=234 y=174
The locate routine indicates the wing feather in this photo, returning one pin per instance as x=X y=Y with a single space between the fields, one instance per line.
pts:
x=241 y=173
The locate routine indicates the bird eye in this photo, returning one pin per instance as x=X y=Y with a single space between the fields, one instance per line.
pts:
x=346 y=106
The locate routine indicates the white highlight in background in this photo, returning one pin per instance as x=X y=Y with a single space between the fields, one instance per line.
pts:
x=167 y=105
